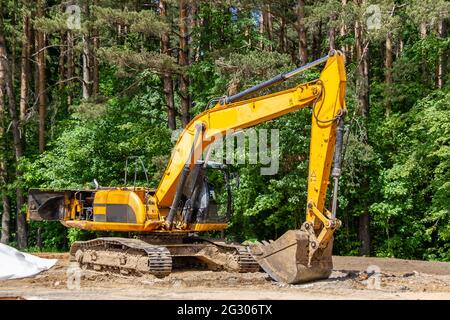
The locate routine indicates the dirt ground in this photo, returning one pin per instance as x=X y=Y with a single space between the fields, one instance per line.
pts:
x=352 y=278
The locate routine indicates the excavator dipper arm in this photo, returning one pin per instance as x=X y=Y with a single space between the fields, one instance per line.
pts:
x=306 y=254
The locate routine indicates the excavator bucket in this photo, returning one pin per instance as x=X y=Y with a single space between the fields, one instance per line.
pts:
x=288 y=259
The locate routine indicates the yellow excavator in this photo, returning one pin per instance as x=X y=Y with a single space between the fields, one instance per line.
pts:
x=162 y=226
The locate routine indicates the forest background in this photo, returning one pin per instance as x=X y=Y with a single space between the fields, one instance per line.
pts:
x=85 y=84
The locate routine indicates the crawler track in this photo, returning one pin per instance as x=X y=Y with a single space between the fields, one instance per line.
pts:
x=246 y=261
x=240 y=254
x=138 y=257
x=127 y=256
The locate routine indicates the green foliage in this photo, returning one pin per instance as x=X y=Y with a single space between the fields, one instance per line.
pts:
x=146 y=22
x=95 y=144
x=414 y=209
x=53 y=236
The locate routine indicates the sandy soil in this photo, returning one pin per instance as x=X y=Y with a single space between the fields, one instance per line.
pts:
x=398 y=279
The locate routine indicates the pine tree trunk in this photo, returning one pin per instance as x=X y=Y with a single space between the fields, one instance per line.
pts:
x=24 y=84
x=261 y=22
x=362 y=87
x=86 y=68
x=423 y=35
x=184 y=61
x=248 y=38
x=13 y=45
x=362 y=71
x=332 y=38
x=21 y=220
x=94 y=60
x=364 y=232
x=388 y=72
x=61 y=66
x=6 y=214
x=35 y=65
x=6 y=217
x=316 y=40
x=24 y=71
x=283 y=41
x=301 y=31
x=194 y=53
x=332 y=34
x=86 y=58
x=440 y=68
x=70 y=65
x=399 y=48
x=167 y=77
x=17 y=140
x=95 y=65
x=343 y=29
x=41 y=83
x=39 y=239
x=269 y=26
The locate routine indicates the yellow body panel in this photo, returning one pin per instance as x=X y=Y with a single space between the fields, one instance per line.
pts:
x=105 y=198
x=101 y=197
x=100 y=210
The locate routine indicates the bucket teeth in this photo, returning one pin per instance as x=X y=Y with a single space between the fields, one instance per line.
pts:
x=287 y=258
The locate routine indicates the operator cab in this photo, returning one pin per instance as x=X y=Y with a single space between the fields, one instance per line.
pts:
x=207 y=194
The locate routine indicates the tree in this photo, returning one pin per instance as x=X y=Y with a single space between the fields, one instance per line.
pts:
x=94 y=59
x=362 y=85
x=25 y=69
x=388 y=60
x=21 y=226
x=70 y=64
x=183 y=57
x=441 y=65
x=87 y=58
x=343 y=28
x=167 y=77
x=6 y=214
x=268 y=21
x=40 y=50
x=301 y=30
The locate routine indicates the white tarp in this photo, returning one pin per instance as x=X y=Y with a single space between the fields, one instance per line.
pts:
x=15 y=264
